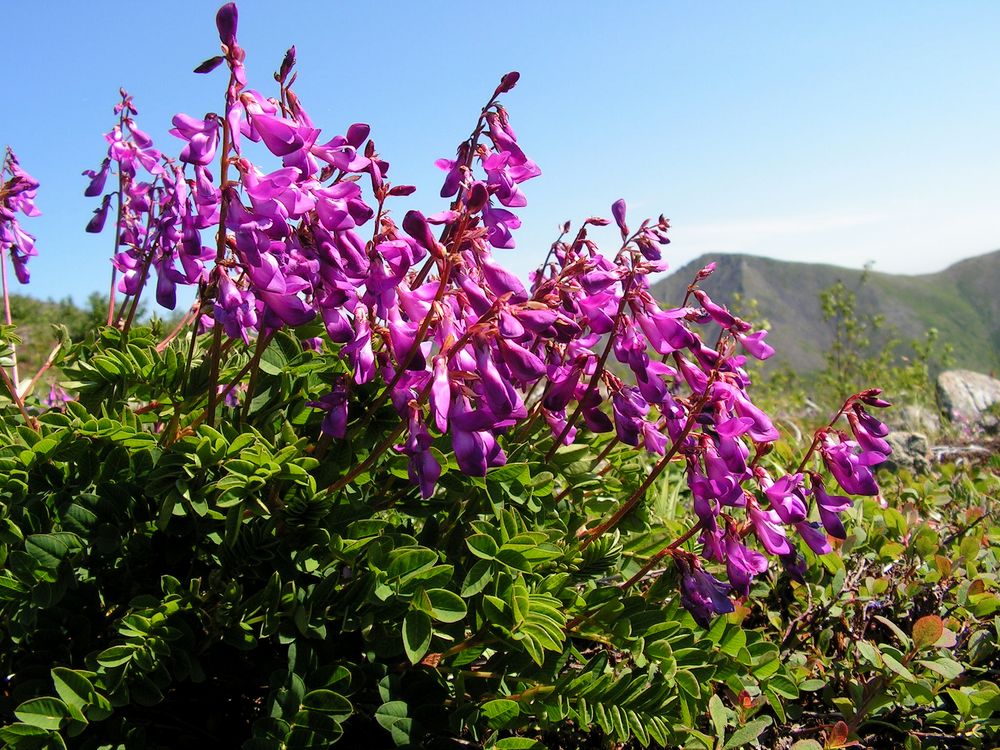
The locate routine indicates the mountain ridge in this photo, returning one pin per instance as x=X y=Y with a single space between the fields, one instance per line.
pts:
x=962 y=302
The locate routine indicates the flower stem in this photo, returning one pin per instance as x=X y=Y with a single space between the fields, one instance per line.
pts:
x=30 y=385
x=820 y=432
x=118 y=223
x=668 y=550
x=18 y=401
x=628 y=505
x=8 y=321
x=220 y=255
x=188 y=316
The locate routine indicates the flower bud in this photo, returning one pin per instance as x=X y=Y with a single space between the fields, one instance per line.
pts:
x=508 y=82
x=226 y=20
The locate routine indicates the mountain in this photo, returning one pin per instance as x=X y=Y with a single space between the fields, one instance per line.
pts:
x=962 y=302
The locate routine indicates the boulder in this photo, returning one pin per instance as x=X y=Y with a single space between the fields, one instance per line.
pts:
x=910 y=451
x=913 y=418
x=969 y=399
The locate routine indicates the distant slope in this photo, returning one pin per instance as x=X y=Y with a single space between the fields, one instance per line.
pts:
x=962 y=302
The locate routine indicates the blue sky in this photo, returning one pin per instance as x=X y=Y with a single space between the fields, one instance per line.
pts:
x=825 y=132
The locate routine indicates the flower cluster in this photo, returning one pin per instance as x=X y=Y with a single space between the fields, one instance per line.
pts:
x=459 y=346
x=787 y=498
x=17 y=195
x=159 y=215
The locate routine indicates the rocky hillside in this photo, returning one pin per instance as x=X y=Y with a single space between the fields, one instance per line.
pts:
x=962 y=302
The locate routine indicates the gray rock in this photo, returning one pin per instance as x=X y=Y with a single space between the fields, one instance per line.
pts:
x=912 y=418
x=967 y=398
x=910 y=451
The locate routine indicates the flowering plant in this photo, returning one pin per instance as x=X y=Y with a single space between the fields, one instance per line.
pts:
x=376 y=459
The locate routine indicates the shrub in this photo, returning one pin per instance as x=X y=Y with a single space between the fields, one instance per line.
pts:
x=377 y=491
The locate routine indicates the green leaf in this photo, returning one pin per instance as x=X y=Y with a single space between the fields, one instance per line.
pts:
x=783 y=687
x=869 y=652
x=749 y=732
x=44 y=713
x=500 y=712
x=719 y=715
x=482 y=545
x=811 y=685
x=688 y=683
x=417 y=634
x=446 y=606
x=329 y=702
x=477 y=579
x=312 y=729
x=24 y=736
x=73 y=687
x=273 y=360
x=947 y=668
x=514 y=559
x=408 y=561
x=733 y=641
x=895 y=629
x=948 y=639
x=115 y=656
x=392 y=717
x=519 y=743
x=962 y=701
x=898 y=668
x=48 y=550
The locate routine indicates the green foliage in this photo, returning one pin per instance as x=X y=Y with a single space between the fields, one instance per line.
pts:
x=860 y=353
x=163 y=582
x=898 y=636
x=864 y=350
x=849 y=359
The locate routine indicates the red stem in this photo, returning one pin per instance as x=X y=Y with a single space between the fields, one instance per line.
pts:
x=220 y=254
x=627 y=506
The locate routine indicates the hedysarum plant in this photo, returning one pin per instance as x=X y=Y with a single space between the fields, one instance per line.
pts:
x=253 y=471
x=17 y=195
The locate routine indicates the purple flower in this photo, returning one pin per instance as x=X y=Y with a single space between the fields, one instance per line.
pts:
x=202 y=138
x=755 y=344
x=57 y=398
x=813 y=535
x=359 y=351
x=282 y=136
x=454 y=168
x=788 y=498
x=618 y=212
x=829 y=506
x=335 y=405
x=235 y=309
x=18 y=195
x=720 y=314
x=850 y=465
x=702 y=594
x=476 y=449
x=97 y=179
x=866 y=431
x=96 y=223
x=441 y=393
x=742 y=563
x=766 y=525
x=794 y=564
x=499 y=223
x=424 y=470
